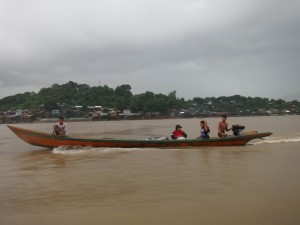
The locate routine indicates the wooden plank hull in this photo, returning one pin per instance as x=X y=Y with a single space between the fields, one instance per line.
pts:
x=48 y=141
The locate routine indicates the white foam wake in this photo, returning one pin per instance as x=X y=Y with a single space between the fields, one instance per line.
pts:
x=80 y=150
x=278 y=140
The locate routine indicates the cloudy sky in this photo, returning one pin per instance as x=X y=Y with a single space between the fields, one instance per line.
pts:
x=200 y=48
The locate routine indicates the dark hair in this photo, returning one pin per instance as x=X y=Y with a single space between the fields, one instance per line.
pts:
x=224 y=115
x=202 y=121
x=61 y=118
x=177 y=126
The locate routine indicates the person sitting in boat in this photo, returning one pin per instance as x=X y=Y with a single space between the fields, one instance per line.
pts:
x=223 y=127
x=60 y=128
x=178 y=133
x=204 y=130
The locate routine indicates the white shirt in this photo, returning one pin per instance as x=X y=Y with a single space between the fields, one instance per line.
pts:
x=61 y=127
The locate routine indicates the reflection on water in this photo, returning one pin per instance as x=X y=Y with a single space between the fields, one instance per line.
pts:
x=253 y=184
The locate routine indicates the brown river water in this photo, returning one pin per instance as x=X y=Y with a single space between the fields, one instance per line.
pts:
x=256 y=184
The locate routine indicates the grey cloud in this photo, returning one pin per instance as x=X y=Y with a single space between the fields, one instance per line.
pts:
x=199 y=48
x=13 y=79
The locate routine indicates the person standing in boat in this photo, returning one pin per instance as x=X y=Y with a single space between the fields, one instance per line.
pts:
x=204 y=130
x=60 y=128
x=178 y=133
x=223 y=127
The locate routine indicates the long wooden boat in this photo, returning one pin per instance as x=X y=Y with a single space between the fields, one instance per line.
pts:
x=48 y=141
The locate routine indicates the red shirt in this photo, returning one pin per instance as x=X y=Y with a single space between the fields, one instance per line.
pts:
x=178 y=133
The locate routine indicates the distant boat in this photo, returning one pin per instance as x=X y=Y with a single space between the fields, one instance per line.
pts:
x=47 y=140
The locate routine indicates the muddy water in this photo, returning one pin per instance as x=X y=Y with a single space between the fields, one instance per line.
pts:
x=255 y=184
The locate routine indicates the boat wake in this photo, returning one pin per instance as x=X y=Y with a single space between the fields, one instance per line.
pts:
x=278 y=140
x=80 y=150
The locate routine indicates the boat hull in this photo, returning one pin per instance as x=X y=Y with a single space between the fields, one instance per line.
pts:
x=48 y=141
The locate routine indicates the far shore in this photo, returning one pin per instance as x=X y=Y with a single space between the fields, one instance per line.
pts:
x=83 y=119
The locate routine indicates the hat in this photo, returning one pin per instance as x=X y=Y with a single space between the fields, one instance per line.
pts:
x=178 y=126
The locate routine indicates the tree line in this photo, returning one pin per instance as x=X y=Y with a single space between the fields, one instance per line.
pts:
x=71 y=94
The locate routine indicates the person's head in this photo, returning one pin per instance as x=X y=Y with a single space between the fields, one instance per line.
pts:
x=202 y=122
x=61 y=119
x=178 y=127
x=224 y=117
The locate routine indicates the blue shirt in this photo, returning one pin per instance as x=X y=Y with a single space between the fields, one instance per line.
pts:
x=204 y=134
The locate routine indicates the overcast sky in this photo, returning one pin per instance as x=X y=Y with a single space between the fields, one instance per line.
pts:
x=200 y=48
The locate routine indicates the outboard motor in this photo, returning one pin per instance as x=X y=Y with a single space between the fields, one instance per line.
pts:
x=237 y=129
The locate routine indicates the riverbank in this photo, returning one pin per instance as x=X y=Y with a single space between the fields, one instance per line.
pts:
x=13 y=120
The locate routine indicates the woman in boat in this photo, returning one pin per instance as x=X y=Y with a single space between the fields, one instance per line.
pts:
x=204 y=130
x=178 y=133
x=60 y=128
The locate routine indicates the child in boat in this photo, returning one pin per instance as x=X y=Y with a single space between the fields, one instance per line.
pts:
x=178 y=133
x=223 y=127
x=204 y=130
x=60 y=128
